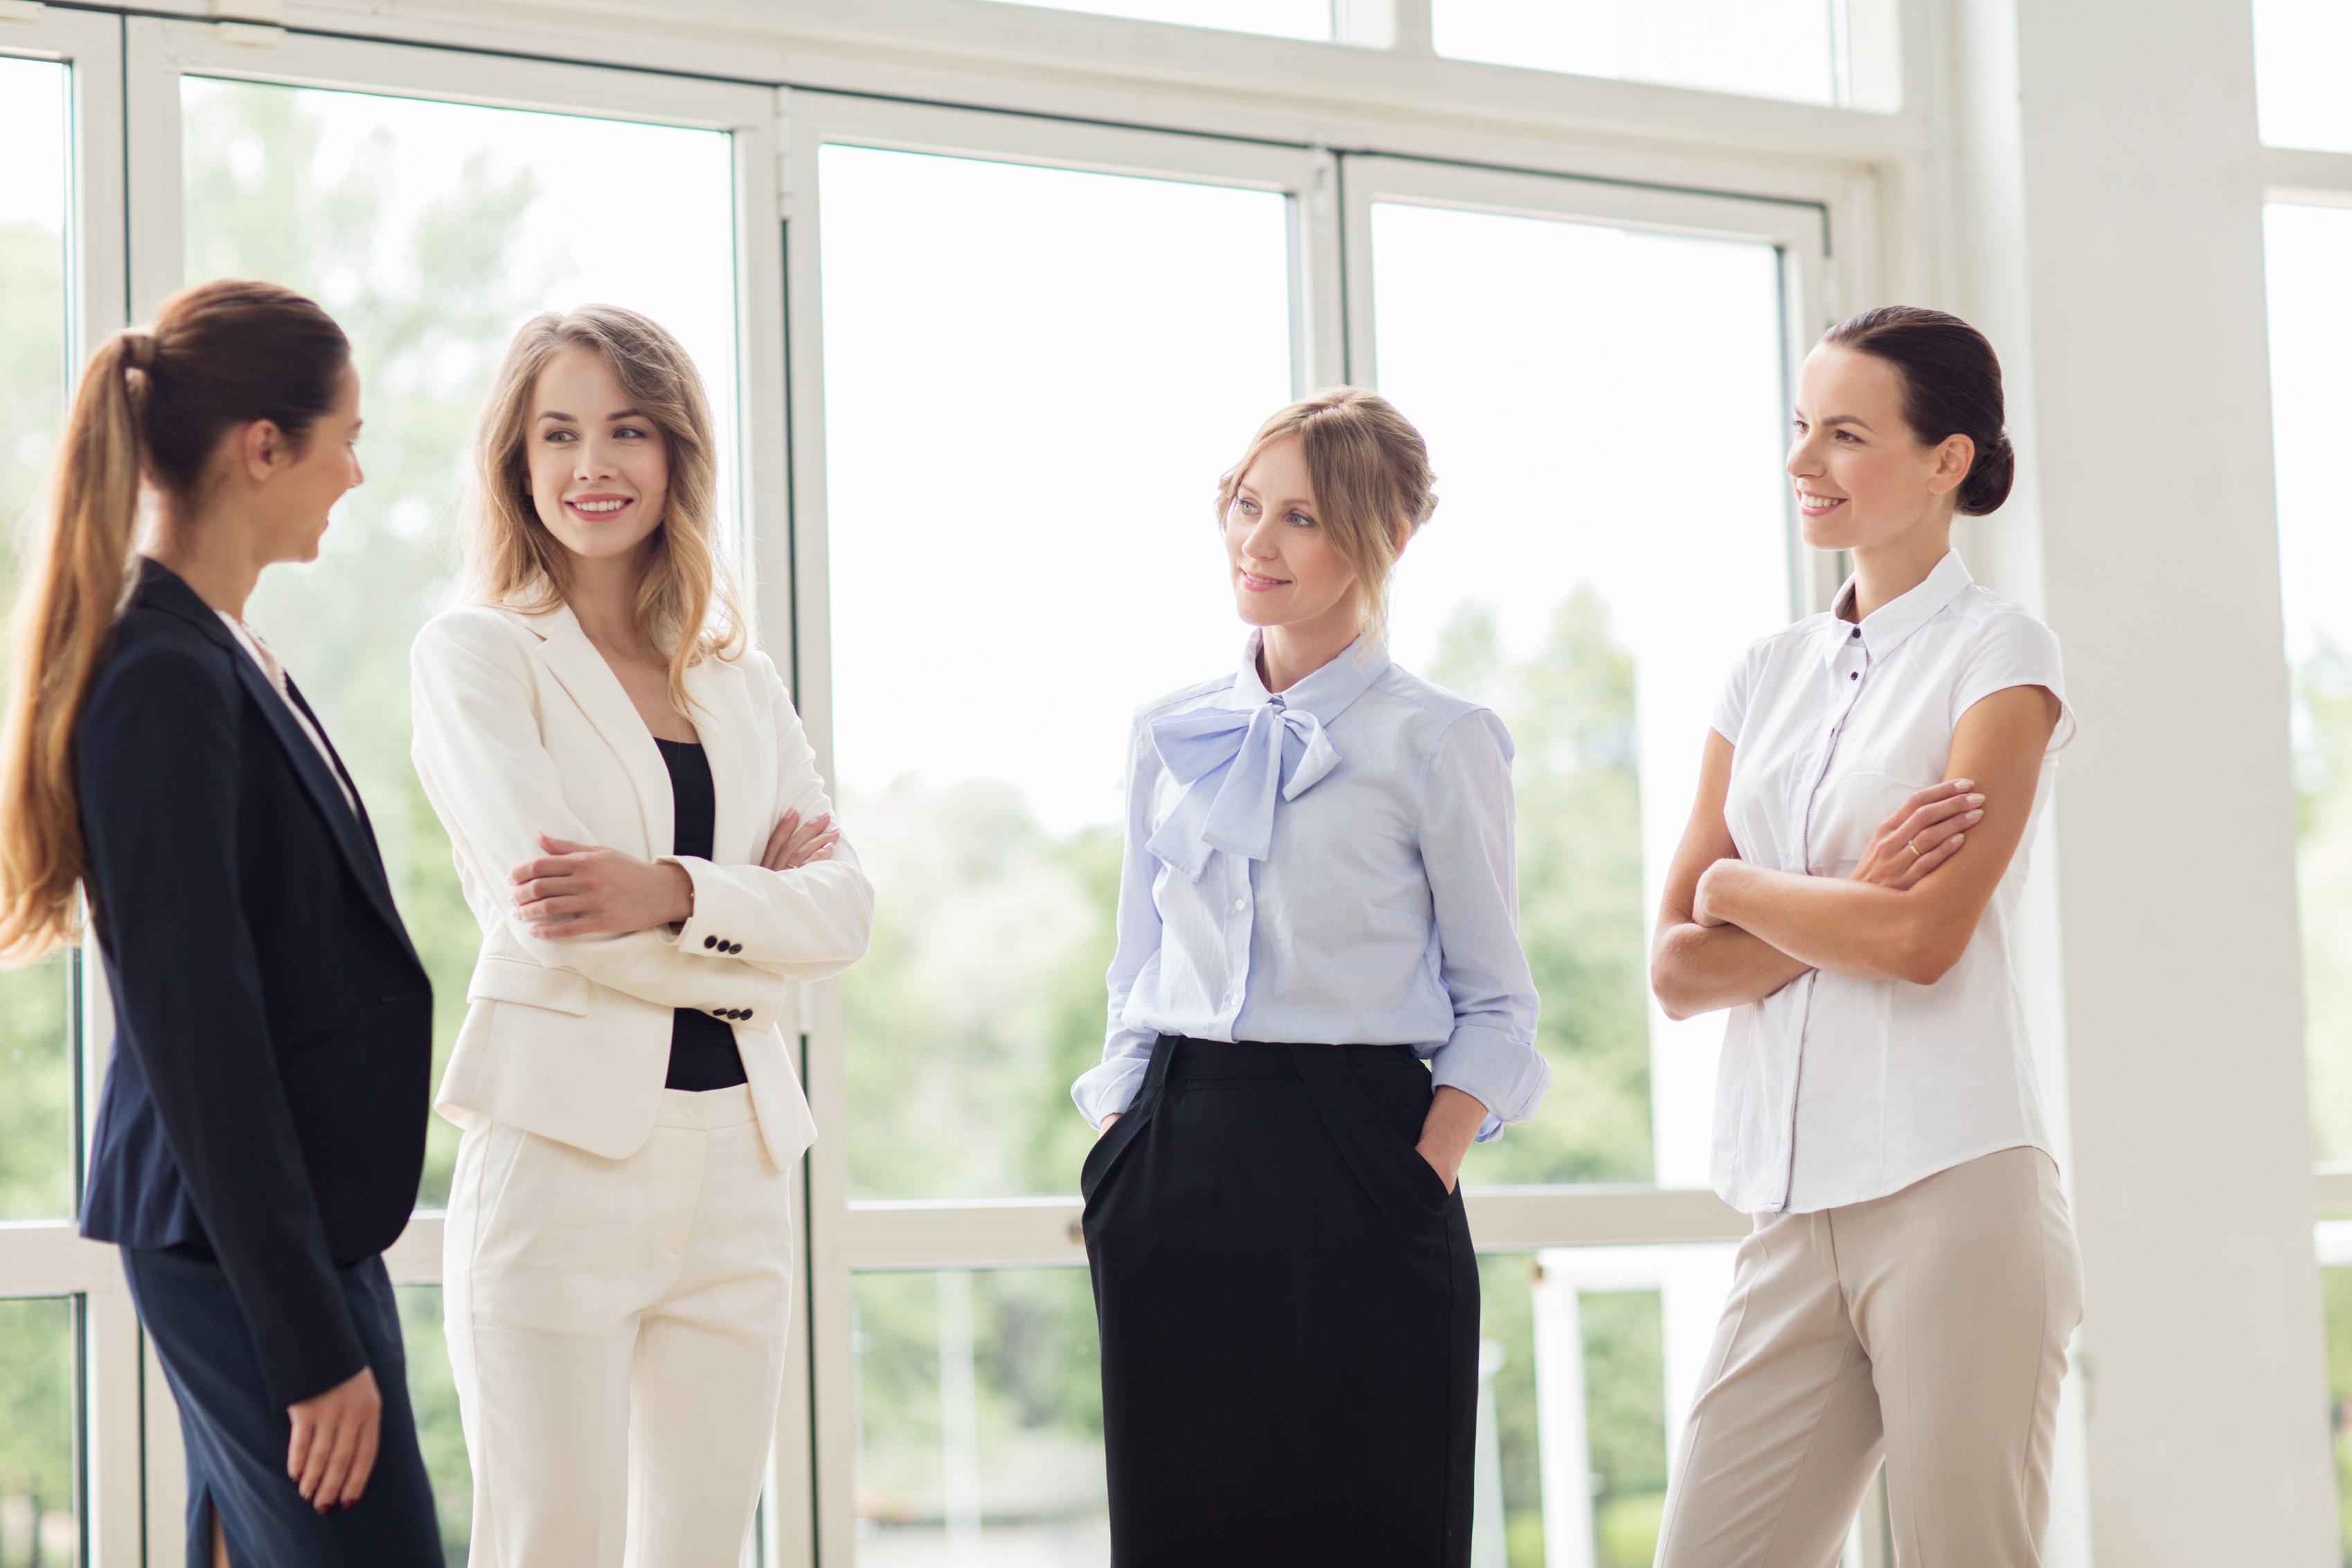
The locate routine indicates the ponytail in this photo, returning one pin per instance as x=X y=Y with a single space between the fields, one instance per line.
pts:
x=152 y=406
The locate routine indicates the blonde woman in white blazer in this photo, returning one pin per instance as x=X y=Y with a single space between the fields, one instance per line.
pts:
x=641 y=834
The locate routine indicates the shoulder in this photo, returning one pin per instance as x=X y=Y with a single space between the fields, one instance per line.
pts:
x=1179 y=700
x=1790 y=641
x=1435 y=721
x=1984 y=618
x=154 y=650
x=482 y=630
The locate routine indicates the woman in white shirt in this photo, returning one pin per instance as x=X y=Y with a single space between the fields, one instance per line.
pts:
x=1847 y=887
x=1319 y=895
x=641 y=834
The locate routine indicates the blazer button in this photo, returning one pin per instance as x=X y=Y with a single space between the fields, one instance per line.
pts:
x=734 y=947
x=743 y=1013
x=711 y=941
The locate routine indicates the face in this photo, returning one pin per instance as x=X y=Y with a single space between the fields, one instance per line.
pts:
x=1863 y=479
x=1284 y=571
x=599 y=469
x=291 y=488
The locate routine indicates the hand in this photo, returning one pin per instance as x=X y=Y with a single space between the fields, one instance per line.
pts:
x=333 y=1449
x=1108 y=1122
x=1924 y=831
x=1446 y=1132
x=795 y=844
x=583 y=889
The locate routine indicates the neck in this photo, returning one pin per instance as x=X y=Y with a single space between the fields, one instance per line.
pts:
x=603 y=595
x=207 y=553
x=1885 y=573
x=1288 y=654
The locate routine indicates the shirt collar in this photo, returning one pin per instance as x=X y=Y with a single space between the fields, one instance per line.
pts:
x=1325 y=694
x=1885 y=628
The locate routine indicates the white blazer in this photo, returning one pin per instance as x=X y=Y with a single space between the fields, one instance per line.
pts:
x=522 y=728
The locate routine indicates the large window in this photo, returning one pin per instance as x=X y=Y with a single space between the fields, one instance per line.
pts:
x=1020 y=349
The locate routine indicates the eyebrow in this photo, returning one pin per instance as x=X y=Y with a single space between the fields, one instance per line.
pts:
x=1847 y=419
x=575 y=419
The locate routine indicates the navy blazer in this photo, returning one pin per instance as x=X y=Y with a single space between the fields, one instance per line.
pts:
x=268 y=1089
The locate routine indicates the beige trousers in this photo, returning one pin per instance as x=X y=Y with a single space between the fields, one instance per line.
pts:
x=1928 y=1327
x=616 y=1334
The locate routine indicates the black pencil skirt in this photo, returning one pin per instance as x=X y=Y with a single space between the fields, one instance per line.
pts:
x=1290 y=1311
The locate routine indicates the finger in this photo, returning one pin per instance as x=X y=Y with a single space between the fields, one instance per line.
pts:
x=298 y=1449
x=314 y=1462
x=1931 y=823
x=1919 y=799
x=1933 y=859
x=362 y=1462
x=549 y=911
x=338 y=1467
x=555 y=846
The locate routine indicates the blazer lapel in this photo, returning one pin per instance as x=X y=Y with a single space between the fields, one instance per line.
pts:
x=730 y=733
x=583 y=673
x=162 y=588
x=352 y=833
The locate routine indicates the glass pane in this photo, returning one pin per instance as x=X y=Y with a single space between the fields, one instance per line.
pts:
x=1588 y=1359
x=979 y=1420
x=1080 y=356
x=2301 y=51
x=39 y=1488
x=2310 y=254
x=35 y=1065
x=1801 y=50
x=433 y=1394
x=432 y=231
x=1604 y=411
x=1280 y=18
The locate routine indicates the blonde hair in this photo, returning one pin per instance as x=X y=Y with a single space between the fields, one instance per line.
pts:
x=1370 y=469
x=152 y=407
x=686 y=609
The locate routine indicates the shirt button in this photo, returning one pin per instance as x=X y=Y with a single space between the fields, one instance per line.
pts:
x=1241 y=903
x=1856 y=676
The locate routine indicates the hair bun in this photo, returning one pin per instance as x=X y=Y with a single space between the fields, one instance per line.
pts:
x=139 y=350
x=1989 y=478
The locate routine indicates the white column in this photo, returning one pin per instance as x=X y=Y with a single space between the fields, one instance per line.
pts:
x=2106 y=210
x=1566 y=1455
x=958 y=1420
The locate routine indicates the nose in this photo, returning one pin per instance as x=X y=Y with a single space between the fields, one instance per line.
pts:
x=1804 y=458
x=592 y=463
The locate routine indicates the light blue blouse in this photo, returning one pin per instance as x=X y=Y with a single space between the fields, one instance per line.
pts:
x=1331 y=865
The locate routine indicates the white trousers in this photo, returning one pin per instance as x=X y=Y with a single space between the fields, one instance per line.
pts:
x=616 y=1329
x=1929 y=1326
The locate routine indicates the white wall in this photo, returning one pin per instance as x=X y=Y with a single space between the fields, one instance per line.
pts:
x=2106 y=197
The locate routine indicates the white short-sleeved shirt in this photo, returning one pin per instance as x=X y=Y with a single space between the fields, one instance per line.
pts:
x=1835 y=1090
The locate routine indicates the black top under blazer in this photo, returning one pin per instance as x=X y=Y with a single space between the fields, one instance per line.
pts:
x=268 y=1089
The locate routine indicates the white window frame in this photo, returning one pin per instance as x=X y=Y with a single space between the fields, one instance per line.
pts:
x=2295 y=176
x=49 y=1257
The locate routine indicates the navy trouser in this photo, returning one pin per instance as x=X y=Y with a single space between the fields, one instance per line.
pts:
x=237 y=1436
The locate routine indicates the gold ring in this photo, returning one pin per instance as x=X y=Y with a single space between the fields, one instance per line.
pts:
x=1913 y=847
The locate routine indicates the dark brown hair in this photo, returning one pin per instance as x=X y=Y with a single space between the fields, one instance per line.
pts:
x=153 y=405
x=1951 y=386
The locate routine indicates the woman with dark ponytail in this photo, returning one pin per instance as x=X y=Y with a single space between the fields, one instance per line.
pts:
x=262 y=1126
x=1846 y=887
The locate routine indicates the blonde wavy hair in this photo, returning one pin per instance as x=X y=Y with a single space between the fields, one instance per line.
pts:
x=687 y=607
x=1370 y=472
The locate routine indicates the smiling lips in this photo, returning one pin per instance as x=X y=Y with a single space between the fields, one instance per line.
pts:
x=597 y=507
x=1257 y=584
x=1812 y=505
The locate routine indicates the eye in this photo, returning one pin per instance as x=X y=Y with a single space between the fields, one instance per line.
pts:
x=555 y=438
x=1849 y=438
x=1300 y=520
x=632 y=430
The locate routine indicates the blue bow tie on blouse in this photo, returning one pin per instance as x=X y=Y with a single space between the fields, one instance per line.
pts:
x=1234 y=763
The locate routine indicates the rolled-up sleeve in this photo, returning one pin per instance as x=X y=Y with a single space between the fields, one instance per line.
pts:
x=1110 y=1087
x=1467 y=833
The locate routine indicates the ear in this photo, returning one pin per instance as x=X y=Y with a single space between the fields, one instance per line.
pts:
x=1954 y=457
x=262 y=449
x=1401 y=531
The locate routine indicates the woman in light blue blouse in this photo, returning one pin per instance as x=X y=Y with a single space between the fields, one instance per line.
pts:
x=1319 y=896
